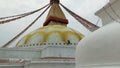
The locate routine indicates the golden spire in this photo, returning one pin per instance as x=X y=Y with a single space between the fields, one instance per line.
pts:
x=55 y=15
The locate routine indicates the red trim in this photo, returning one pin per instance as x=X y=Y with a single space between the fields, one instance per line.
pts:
x=65 y=21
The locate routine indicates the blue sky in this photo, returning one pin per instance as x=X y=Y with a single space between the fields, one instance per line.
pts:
x=84 y=8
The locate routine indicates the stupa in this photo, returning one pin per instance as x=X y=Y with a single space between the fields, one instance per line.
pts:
x=50 y=46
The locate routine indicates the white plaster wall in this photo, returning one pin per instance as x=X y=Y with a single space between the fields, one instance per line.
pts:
x=20 y=53
x=58 y=51
x=37 y=53
x=43 y=64
x=51 y=65
x=10 y=65
x=115 y=4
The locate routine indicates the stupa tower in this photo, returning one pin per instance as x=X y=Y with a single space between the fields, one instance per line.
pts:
x=54 y=30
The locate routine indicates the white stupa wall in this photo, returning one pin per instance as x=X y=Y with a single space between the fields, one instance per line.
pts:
x=113 y=12
x=100 y=49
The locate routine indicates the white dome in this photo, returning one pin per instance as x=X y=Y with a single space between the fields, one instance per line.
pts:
x=51 y=34
x=101 y=49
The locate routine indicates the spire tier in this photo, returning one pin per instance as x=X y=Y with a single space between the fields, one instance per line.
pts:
x=55 y=15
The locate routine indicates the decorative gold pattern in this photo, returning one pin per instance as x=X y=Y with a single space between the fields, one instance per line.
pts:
x=51 y=33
